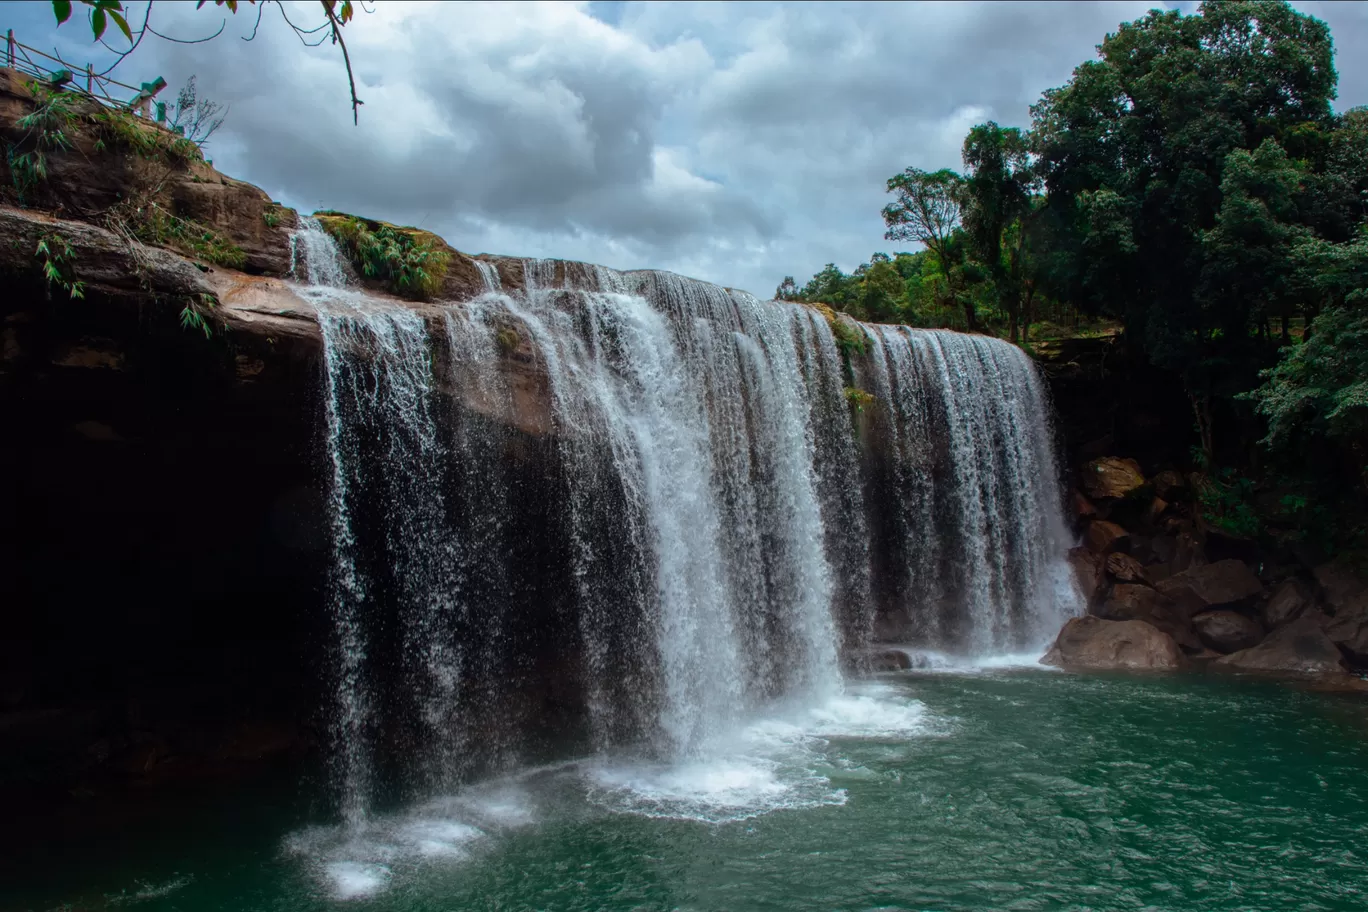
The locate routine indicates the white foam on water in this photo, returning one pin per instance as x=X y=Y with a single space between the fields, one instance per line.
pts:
x=438 y=838
x=148 y=891
x=929 y=661
x=354 y=879
x=782 y=761
x=361 y=859
x=497 y=805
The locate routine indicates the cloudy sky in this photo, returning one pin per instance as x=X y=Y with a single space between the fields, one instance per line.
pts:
x=736 y=142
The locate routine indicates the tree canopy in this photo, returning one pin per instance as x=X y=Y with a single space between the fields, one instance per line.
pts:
x=1192 y=184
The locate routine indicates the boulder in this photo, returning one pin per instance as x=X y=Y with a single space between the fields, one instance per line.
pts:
x=1350 y=633
x=1227 y=631
x=1104 y=537
x=1088 y=570
x=1094 y=643
x=1346 y=595
x=1125 y=568
x=1081 y=506
x=1177 y=549
x=1300 y=647
x=1129 y=602
x=1111 y=477
x=890 y=660
x=1288 y=602
x=1226 y=582
x=1342 y=587
x=1170 y=485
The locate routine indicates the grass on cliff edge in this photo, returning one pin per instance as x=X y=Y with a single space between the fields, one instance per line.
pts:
x=408 y=261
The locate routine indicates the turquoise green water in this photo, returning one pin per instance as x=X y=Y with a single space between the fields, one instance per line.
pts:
x=1018 y=790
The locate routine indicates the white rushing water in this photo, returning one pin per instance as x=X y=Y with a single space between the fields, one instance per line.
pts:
x=724 y=538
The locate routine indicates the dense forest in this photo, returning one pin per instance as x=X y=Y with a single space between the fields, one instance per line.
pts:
x=1192 y=187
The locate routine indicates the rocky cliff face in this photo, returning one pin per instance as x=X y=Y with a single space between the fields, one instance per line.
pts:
x=165 y=531
x=169 y=532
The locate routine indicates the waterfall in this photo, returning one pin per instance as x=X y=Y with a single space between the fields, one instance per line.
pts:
x=721 y=507
x=489 y=275
x=978 y=527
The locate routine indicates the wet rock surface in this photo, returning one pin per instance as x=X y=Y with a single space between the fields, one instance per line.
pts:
x=1096 y=644
x=1299 y=648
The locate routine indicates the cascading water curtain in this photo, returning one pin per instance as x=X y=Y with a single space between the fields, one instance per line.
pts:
x=727 y=533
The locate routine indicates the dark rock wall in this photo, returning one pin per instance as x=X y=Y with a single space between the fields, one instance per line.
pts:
x=163 y=535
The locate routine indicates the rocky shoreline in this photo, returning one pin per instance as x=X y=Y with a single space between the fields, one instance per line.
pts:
x=1160 y=595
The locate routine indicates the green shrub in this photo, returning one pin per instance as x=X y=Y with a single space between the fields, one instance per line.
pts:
x=850 y=339
x=195 y=314
x=508 y=339
x=858 y=398
x=154 y=225
x=1227 y=503
x=45 y=131
x=58 y=264
x=125 y=130
x=407 y=264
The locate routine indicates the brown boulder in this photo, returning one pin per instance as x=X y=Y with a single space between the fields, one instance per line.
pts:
x=1227 y=631
x=1287 y=604
x=1126 y=568
x=1104 y=537
x=1111 y=477
x=1090 y=642
x=1350 y=633
x=1087 y=568
x=1129 y=602
x=1341 y=586
x=1346 y=594
x=1225 y=582
x=890 y=660
x=1170 y=485
x=1188 y=553
x=1300 y=647
x=1081 y=506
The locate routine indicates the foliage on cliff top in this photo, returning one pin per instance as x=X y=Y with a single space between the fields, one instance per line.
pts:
x=154 y=225
x=408 y=261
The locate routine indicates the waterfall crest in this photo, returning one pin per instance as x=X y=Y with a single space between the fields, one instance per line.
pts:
x=721 y=523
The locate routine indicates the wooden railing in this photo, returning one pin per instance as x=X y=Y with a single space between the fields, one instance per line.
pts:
x=56 y=73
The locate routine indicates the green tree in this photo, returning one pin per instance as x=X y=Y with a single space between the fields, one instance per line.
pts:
x=830 y=286
x=788 y=290
x=1316 y=398
x=929 y=210
x=1134 y=150
x=996 y=193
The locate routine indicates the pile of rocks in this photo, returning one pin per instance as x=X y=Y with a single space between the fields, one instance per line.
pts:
x=1156 y=601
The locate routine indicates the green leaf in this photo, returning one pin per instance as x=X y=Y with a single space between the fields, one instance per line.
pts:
x=97 y=23
x=122 y=23
x=62 y=10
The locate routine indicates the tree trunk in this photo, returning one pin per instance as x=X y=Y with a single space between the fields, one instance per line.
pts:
x=1201 y=408
x=971 y=323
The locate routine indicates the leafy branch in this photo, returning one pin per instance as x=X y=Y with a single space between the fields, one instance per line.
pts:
x=58 y=266
x=335 y=16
